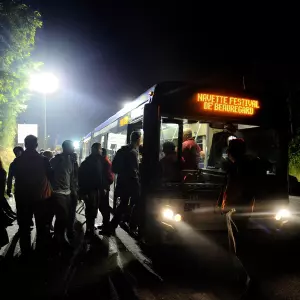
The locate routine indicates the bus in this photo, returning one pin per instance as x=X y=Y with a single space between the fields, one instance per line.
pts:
x=162 y=114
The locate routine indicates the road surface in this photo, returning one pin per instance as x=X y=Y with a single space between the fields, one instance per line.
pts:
x=117 y=268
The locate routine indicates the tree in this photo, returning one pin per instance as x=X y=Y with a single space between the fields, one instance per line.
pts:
x=294 y=156
x=18 y=26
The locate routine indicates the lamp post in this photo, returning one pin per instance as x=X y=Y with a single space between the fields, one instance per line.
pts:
x=44 y=83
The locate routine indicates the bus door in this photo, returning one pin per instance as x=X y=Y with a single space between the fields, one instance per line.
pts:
x=191 y=193
x=202 y=188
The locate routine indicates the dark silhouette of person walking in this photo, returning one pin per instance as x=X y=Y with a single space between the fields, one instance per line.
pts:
x=32 y=174
x=63 y=185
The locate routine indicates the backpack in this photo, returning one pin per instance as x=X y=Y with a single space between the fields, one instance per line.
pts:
x=118 y=161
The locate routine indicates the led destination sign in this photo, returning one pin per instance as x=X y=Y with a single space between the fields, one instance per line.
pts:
x=227 y=104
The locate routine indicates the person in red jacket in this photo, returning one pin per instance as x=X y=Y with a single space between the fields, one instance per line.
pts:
x=190 y=151
x=170 y=167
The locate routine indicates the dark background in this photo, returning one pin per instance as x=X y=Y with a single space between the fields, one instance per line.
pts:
x=108 y=52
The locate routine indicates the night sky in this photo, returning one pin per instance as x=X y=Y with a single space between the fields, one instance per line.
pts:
x=108 y=52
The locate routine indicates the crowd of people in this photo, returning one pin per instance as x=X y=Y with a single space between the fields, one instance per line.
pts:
x=48 y=188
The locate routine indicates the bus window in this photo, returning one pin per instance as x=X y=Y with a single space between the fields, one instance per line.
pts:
x=114 y=142
x=260 y=142
x=199 y=132
x=265 y=144
x=213 y=140
x=169 y=164
x=168 y=133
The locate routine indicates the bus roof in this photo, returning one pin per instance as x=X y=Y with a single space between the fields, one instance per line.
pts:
x=160 y=93
x=145 y=97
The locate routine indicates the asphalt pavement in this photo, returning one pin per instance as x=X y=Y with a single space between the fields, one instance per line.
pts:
x=119 y=268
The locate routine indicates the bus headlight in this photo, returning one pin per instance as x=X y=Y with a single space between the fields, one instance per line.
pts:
x=282 y=214
x=177 y=218
x=168 y=214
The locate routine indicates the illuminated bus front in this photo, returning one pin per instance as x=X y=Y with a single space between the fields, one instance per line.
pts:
x=213 y=119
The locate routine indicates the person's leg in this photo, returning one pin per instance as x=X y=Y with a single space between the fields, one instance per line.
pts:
x=104 y=208
x=41 y=216
x=134 y=221
x=24 y=218
x=72 y=218
x=62 y=214
x=120 y=211
x=7 y=208
x=91 y=210
x=49 y=214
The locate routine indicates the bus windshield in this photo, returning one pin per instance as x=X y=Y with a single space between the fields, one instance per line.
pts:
x=213 y=140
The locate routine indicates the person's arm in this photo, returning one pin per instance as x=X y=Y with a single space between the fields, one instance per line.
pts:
x=73 y=180
x=110 y=174
x=2 y=183
x=116 y=162
x=133 y=165
x=198 y=157
x=48 y=169
x=76 y=168
x=82 y=179
x=11 y=174
x=186 y=151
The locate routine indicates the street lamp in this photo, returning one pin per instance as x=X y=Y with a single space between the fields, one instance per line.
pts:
x=44 y=83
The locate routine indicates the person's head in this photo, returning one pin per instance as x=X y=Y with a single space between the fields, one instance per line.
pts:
x=168 y=148
x=187 y=134
x=231 y=128
x=1 y=164
x=48 y=154
x=31 y=142
x=104 y=152
x=68 y=147
x=96 y=149
x=18 y=151
x=135 y=138
x=236 y=149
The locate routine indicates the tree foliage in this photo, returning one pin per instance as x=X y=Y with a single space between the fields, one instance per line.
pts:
x=19 y=24
x=294 y=156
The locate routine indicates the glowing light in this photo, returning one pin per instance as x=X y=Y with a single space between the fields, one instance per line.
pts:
x=76 y=144
x=227 y=104
x=168 y=213
x=177 y=218
x=282 y=214
x=124 y=121
x=45 y=83
x=128 y=105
